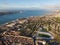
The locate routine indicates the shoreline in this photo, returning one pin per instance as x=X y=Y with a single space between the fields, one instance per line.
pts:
x=46 y=15
x=13 y=21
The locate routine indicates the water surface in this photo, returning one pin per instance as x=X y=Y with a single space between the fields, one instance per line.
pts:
x=25 y=13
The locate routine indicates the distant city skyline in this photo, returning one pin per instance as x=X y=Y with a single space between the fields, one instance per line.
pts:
x=29 y=4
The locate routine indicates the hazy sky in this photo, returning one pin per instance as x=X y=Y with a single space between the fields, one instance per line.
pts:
x=38 y=4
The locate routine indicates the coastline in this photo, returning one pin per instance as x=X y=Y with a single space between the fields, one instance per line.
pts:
x=13 y=21
x=46 y=15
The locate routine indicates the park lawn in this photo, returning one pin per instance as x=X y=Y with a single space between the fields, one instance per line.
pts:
x=43 y=35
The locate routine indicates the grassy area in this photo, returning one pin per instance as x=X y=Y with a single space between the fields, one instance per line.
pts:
x=57 y=19
x=42 y=35
x=57 y=37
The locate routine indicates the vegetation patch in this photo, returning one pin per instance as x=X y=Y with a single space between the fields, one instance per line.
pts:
x=43 y=35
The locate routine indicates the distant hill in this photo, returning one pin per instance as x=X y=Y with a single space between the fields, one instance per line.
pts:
x=55 y=14
x=9 y=12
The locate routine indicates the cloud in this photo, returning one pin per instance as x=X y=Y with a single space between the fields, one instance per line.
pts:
x=6 y=6
x=51 y=7
x=33 y=6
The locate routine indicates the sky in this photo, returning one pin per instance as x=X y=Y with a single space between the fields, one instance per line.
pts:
x=29 y=4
